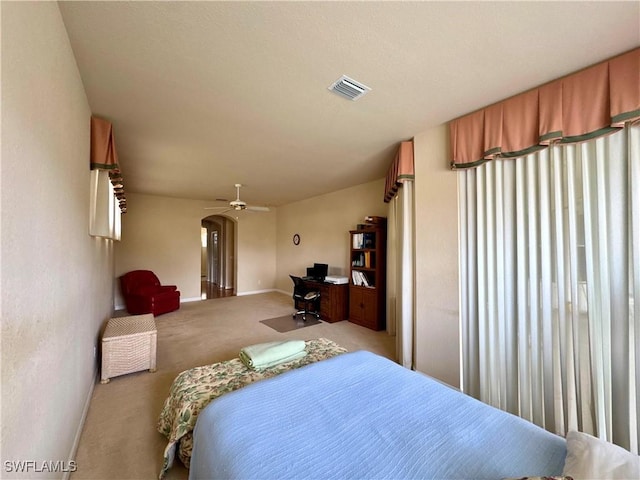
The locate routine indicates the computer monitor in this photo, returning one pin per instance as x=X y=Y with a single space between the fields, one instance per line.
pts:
x=320 y=271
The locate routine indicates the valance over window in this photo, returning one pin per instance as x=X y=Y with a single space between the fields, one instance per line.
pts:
x=401 y=169
x=581 y=106
x=105 y=157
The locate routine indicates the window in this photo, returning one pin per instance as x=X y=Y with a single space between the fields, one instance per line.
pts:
x=104 y=216
x=550 y=281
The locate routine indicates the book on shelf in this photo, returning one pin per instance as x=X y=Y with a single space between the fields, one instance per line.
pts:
x=358 y=240
x=359 y=279
x=363 y=240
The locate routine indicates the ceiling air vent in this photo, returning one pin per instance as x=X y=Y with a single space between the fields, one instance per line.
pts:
x=348 y=88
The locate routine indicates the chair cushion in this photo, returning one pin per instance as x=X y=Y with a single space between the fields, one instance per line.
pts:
x=147 y=290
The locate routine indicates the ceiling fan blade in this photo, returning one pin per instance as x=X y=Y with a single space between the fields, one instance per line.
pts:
x=237 y=204
x=220 y=212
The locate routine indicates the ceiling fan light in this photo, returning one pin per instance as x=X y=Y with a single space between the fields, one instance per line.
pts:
x=238 y=204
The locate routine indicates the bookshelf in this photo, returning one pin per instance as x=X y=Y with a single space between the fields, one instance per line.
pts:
x=367 y=282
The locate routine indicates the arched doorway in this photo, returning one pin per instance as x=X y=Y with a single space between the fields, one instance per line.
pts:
x=218 y=257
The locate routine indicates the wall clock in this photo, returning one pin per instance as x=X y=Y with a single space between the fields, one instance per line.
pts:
x=296 y=239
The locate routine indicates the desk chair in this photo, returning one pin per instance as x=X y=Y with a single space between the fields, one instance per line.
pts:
x=310 y=299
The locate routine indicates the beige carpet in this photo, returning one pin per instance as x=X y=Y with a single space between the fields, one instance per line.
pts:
x=120 y=440
x=287 y=323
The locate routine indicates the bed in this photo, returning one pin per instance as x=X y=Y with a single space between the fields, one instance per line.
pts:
x=193 y=389
x=361 y=416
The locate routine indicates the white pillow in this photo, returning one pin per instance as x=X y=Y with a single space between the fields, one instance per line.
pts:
x=539 y=478
x=589 y=458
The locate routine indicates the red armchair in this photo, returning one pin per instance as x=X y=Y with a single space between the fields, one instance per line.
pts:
x=143 y=293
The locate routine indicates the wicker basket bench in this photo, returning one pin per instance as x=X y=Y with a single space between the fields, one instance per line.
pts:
x=128 y=345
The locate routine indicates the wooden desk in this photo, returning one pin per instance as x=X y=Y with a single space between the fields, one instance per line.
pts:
x=334 y=300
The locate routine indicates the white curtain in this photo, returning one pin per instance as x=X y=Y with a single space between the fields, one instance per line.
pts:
x=104 y=207
x=550 y=286
x=401 y=273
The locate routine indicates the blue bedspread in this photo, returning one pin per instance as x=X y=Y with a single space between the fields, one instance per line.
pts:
x=361 y=416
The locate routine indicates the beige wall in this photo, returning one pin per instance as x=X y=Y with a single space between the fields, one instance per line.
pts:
x=57 y=281
x=437 y=310
x=323 y=224
x=162 y=234
x=256 y=246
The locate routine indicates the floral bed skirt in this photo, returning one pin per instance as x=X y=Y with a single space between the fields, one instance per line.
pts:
x=193 y=389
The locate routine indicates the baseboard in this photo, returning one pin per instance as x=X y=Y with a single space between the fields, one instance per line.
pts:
x=85 y=410
x=255 y=292
x=289 y=292
x=190 y=299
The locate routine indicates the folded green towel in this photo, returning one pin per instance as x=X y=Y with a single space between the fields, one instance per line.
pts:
x=262 y=366
x=264 y=355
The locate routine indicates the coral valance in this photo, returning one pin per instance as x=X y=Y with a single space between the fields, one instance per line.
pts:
x=583 y=105
x=103 y=149
x=105 y=157
x=400 y=171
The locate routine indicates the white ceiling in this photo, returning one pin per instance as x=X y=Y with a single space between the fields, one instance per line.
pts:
x=203 y=95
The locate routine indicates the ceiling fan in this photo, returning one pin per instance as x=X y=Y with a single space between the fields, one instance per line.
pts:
x=238 y=204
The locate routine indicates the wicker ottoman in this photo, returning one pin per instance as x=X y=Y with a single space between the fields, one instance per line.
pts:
x=128 y=345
